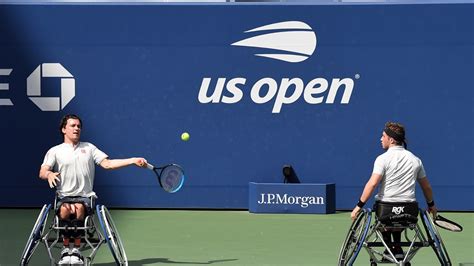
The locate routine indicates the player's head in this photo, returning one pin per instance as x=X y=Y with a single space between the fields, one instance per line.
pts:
x=70 y=127
x=393 y=133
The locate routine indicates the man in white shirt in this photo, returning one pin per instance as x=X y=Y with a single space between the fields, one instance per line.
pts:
x=70 y=167
x=396 y=170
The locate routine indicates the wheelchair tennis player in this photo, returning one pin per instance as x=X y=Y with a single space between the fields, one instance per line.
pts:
x=397 y=171
x=70 y=167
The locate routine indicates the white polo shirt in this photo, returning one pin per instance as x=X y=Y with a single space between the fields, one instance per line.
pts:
x=76 y=165
x=399 y=169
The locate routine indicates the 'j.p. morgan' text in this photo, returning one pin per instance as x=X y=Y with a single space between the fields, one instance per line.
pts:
x=303 y=201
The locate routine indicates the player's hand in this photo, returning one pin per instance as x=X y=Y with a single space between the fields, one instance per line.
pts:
x=355 y=212
x=52 y=178
x=140 y=162
x=433 y=211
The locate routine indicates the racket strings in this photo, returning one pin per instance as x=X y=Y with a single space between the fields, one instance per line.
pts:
x=172 y=178
x=448 y=225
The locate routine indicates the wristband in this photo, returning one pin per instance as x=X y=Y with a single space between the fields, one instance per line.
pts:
x=430 y=204
x=360 y=204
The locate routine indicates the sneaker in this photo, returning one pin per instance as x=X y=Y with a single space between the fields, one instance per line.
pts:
x=76 y=257
x=65 y=257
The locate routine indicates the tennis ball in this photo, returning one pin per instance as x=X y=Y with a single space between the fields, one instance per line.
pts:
x=185 y=136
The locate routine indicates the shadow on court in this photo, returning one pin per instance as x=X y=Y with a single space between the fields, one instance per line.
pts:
x=164 y=260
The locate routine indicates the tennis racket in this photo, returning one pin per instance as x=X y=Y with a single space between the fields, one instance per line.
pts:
x=170 y=177
x=447 y=224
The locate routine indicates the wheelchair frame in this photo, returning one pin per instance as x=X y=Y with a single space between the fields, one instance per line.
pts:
x=362 y=234
x=92 y=238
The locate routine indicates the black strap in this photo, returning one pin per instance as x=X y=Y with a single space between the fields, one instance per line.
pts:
x=430 y=204
x=398 y=137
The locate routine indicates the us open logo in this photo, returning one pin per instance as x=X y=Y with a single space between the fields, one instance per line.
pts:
x=287 y=41
x=294 y=40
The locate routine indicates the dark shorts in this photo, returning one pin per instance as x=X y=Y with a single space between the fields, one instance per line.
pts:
x=76 y=199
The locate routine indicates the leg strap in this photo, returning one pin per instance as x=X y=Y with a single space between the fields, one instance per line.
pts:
x=77 y=232
x=65 y=232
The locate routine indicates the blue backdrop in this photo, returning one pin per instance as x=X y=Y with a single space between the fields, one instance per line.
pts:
x=138 y=71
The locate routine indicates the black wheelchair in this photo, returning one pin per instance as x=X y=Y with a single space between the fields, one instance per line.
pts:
x=92 y=236
x=363 y=233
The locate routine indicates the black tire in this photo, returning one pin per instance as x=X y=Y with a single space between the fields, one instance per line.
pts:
x=435 y=239
x=354 y=238
x=35 y=235
x=112 y=236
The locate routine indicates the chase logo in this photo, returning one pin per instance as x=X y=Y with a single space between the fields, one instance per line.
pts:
x=35 y=87
x=295 y=41
x=50 y=70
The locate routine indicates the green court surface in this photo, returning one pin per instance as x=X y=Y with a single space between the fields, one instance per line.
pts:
x=175 y=237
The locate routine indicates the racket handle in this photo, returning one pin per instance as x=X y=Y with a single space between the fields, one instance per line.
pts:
x=150 y=166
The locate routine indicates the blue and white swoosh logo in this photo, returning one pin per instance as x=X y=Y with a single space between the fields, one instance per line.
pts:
x=295 y=41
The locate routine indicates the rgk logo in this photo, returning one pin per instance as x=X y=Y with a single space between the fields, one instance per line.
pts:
x=398 y=210
x=33 y=87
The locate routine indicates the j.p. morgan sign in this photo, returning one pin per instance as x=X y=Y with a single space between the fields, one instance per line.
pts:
x=291 y=198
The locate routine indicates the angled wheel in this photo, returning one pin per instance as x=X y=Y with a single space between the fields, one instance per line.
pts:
x=35 y=235
x=355 y=238
x=112 y=236
x=435 y=237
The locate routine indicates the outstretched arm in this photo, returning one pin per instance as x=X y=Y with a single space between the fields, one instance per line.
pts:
x=118 y=163
x=368 y=190
x=428 y=192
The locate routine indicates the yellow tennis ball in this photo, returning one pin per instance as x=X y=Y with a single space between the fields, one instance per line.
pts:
x=185 y=136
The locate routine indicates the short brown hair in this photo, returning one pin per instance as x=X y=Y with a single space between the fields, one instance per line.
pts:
x=63 y=122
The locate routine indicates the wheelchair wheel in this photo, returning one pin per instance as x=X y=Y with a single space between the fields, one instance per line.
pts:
x=435 y=237
x=111 y=235
x=355 y=238
x=35 y=235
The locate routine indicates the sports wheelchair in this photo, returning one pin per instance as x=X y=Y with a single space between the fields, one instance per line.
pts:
x=364 y=234
x=92 y=236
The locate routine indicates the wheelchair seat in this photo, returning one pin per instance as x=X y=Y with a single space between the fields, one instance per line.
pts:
x=396 y=214
x=98 y=228
x=398 y=219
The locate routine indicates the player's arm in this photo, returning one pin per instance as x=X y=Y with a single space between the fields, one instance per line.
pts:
x=428 y=192
x=46 y=174
x=369 y=188
x=111 y=164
